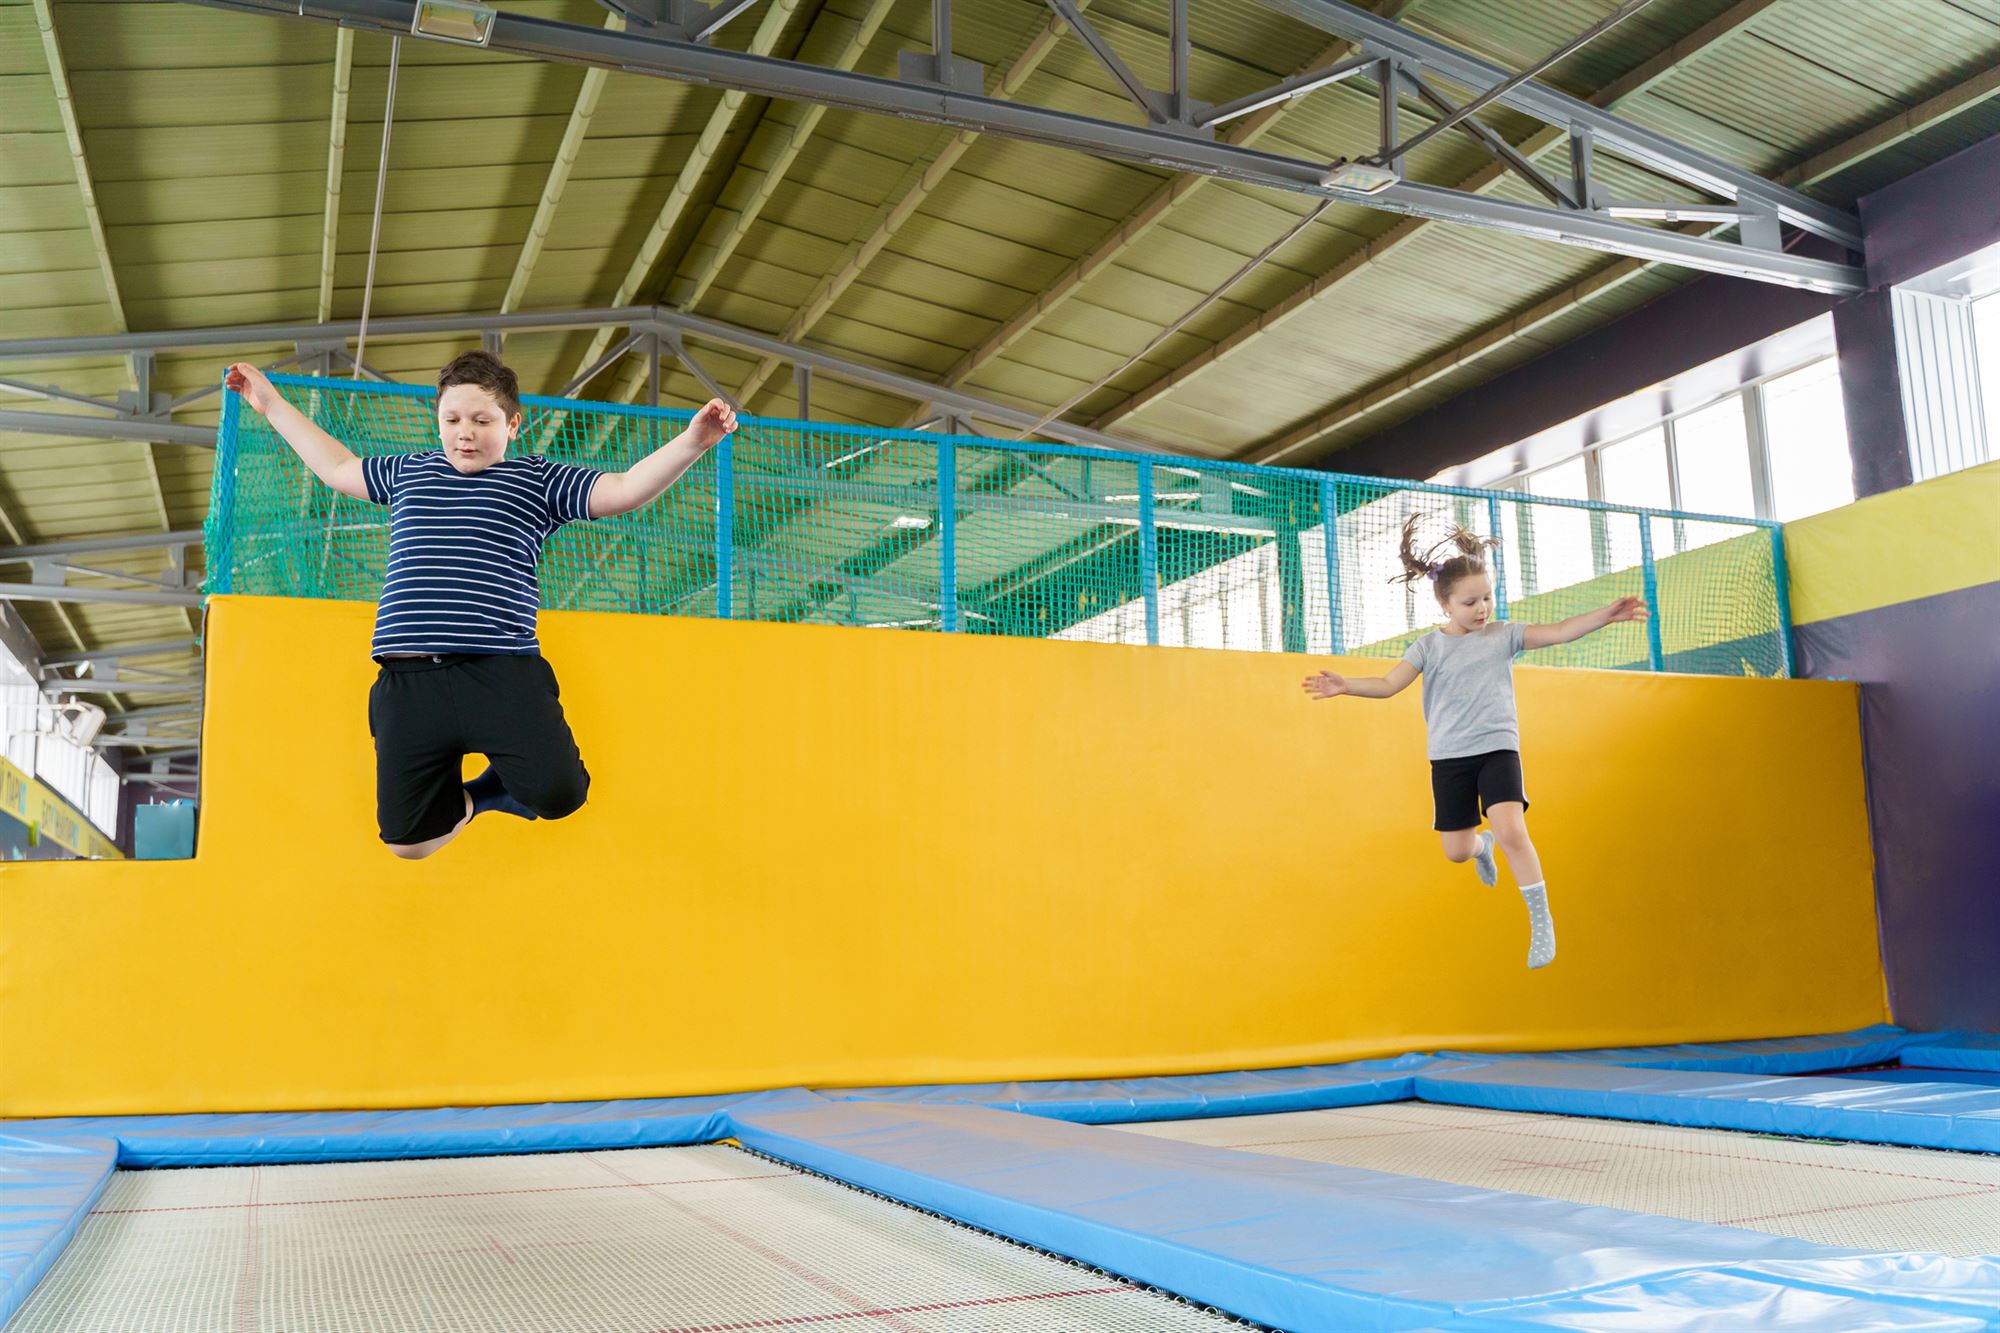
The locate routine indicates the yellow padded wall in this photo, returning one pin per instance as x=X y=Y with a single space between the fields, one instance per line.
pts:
x=830 y=856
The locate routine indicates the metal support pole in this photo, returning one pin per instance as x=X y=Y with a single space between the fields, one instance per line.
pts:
x=1329 y=517
x=1149 y=554
x=947 y=485
x=1388 y=78
x=653 y=369
x=802 y=378
x=1177 y=67
x=1655 y=652
x=221 y=554
x=1781 y=576
x=1499 y=559
x=725 y=526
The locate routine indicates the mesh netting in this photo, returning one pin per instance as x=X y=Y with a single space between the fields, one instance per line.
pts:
x=802 y=521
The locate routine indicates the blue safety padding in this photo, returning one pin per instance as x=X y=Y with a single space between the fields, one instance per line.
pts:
x=1186 y=1097
x=1318 y=1248
x=1955 y=1116
x=1956 y=1050
x=46 y=1190
x=1984 y=1078
x=347 y=1136
x=1775 y=1055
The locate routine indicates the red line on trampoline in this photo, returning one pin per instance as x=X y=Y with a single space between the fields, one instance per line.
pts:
x=420 y=1198
x=794 y=1321
x=862 y=1306
x=1856 y=1207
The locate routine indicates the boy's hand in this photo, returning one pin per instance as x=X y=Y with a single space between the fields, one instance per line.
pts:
x=249 y=381
x=1325 y=685
x=1627 y=608
x=715 y=420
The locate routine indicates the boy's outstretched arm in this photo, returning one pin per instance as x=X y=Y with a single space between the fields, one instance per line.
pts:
x=1327 y=685
x=1568 y=631
x=645 y=480
x=330 y=460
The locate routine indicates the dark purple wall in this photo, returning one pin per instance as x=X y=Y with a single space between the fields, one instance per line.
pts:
x=1864 y=333
x=1930 y=718
x=1940 y=214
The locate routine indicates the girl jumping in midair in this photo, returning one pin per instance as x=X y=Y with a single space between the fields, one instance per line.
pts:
x=1475 y=741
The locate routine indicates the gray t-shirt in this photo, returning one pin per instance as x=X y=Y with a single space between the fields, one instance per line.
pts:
x=1469 y=688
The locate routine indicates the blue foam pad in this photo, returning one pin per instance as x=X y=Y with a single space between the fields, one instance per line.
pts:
x=1187 y=1097
x=1955 y=1050
x=1319 y=1248
x=1955 y=1116
x=46 y=1190
x=1774 y=1055
x=345 y=1136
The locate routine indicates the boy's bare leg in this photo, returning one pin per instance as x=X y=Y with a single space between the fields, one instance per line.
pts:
x=417 y=851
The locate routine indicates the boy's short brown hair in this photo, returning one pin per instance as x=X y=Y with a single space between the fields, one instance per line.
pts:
x=485 y=370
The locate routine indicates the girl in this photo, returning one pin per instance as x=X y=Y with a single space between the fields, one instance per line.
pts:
x=1475 y=742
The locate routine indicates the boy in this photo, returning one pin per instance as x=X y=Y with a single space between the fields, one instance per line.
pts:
x=461 y=671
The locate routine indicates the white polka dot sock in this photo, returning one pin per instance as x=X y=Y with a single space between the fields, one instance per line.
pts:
x=1541 y=930
x=1482 y=860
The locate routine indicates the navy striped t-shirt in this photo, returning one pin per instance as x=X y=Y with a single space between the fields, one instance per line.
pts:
x=464 y=547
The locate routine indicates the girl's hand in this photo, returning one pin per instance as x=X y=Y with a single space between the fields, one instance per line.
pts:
x=1325 y=685
x=1627 y=608
x=715 y=420
x=249 y=381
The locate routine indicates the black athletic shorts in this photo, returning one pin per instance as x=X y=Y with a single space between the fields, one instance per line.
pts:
x=1464 y=788
x=427 y=713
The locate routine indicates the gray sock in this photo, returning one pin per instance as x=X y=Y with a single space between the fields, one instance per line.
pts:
x=1482 y=860
x=1541 y=929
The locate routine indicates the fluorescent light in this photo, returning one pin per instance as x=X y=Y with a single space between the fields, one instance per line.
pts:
x=1360 y=177
x=848 y=458
x=910 y=521
x=466 y=22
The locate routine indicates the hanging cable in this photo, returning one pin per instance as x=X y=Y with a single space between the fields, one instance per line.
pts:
x=381 y=187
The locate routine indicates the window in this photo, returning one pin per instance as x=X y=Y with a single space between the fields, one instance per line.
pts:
x=76 y=773
x=1557 y=549
x=1712 y=454
x=1986 y=337
x=1807 y=425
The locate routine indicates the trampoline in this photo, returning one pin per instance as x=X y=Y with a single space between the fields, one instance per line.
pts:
x=1733 y=1186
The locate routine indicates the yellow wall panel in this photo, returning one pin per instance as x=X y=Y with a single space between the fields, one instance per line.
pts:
x=830 y=856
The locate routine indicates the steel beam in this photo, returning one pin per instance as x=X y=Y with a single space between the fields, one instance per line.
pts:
x=122 y=652
x=341 y=330
x=1646 y=147
x=336 y=157
x=147 y=541
x=37 y=592
x=106 y=428
x=546 y=39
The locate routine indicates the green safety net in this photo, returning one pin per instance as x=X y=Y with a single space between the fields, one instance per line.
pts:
x=805 y=521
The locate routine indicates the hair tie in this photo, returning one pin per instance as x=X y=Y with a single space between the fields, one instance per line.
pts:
x=1432 y=571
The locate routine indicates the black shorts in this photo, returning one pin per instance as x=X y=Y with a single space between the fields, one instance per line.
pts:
x=427 y=713
x=1465 y=788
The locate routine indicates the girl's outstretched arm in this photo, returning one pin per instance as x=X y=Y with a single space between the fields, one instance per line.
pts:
x=1327 y=685
x=1568 y=631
